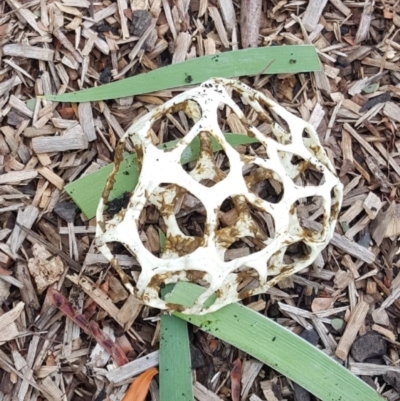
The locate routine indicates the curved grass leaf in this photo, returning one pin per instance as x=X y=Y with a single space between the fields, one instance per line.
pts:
x=261 y=60
x=277 y=347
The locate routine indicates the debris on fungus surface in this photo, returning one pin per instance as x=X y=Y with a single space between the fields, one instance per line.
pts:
x=44 y=268
x=235 y=221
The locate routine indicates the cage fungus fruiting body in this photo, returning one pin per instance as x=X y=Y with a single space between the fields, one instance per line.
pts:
x=262 y=212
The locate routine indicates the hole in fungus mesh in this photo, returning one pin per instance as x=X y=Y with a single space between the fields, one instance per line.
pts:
x=247 y=280
x=265 y=121
x=263 y=182
x=209 y=167
x=278 y=127
x=190 y=214
x=242 y=228
x=171 y=207
x=159 y=281
x=117 y=205
x=122 y=254
x=296 y=252
x=310 y=208
x=302 y=171
x=227 y=214
x=150 y=225
x=175 y=123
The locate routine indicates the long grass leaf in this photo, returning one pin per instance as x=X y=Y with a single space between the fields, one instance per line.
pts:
x=175 y=362
x=277 y=347
x=265 y=60
x=86 y=191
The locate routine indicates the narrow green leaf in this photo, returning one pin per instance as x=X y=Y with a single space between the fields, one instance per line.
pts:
x=86 y=191
x=277 y=347
x=264 y=60
x=175 y=362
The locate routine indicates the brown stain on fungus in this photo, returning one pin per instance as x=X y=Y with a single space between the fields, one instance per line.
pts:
x=119 y=156
x=182 y=246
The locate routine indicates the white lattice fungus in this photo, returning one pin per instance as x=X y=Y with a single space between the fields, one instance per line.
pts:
x=280 y=240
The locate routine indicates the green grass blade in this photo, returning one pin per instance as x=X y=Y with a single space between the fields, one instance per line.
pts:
x=175 y=363
x=265 y=60
x=175 y=366
x=86 y=191
x=277 y=347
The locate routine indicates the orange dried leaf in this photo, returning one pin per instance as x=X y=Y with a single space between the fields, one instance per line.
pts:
x=140 y=387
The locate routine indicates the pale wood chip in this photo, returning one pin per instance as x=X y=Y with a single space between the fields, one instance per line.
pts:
x=91 y=40
x=8 y=329
x=26 y=15
x=123 y=260
x=25 y=52
x=67 y=44
x=371 y=369
x=86 y=120
x=129 y=311
x=183 y=42
x=372 y=205
x=47 y=144
x=385 y=332
x=51 y=176
x=267 y=387
x=49 y=386
x=392 y=110
x=380 y=62
x=250 y=370
x=357 y=318
x=122 y=6
x=168 y=16
x=317 y=116
x=363 y=28
x=215 y=15
x=20 y=106
x=202 y=393
x=228 y=14
x=313 y=13
x=341 y=7
x=6 y=86
x=25 y=218
x=133 y=368
x=17 y=177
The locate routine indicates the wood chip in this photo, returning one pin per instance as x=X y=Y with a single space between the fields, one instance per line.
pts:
x=133 y=368
x=215 y=15
x=17 y=177
x=86 y=121
x=365 y=23
x=201 y=393
x=372 y=205
x=313 y=13
x=97 y=295
x=24 y=51
x=353 y=326
x=60 y=143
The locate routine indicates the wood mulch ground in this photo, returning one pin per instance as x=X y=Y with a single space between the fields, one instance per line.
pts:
x=346 y=303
